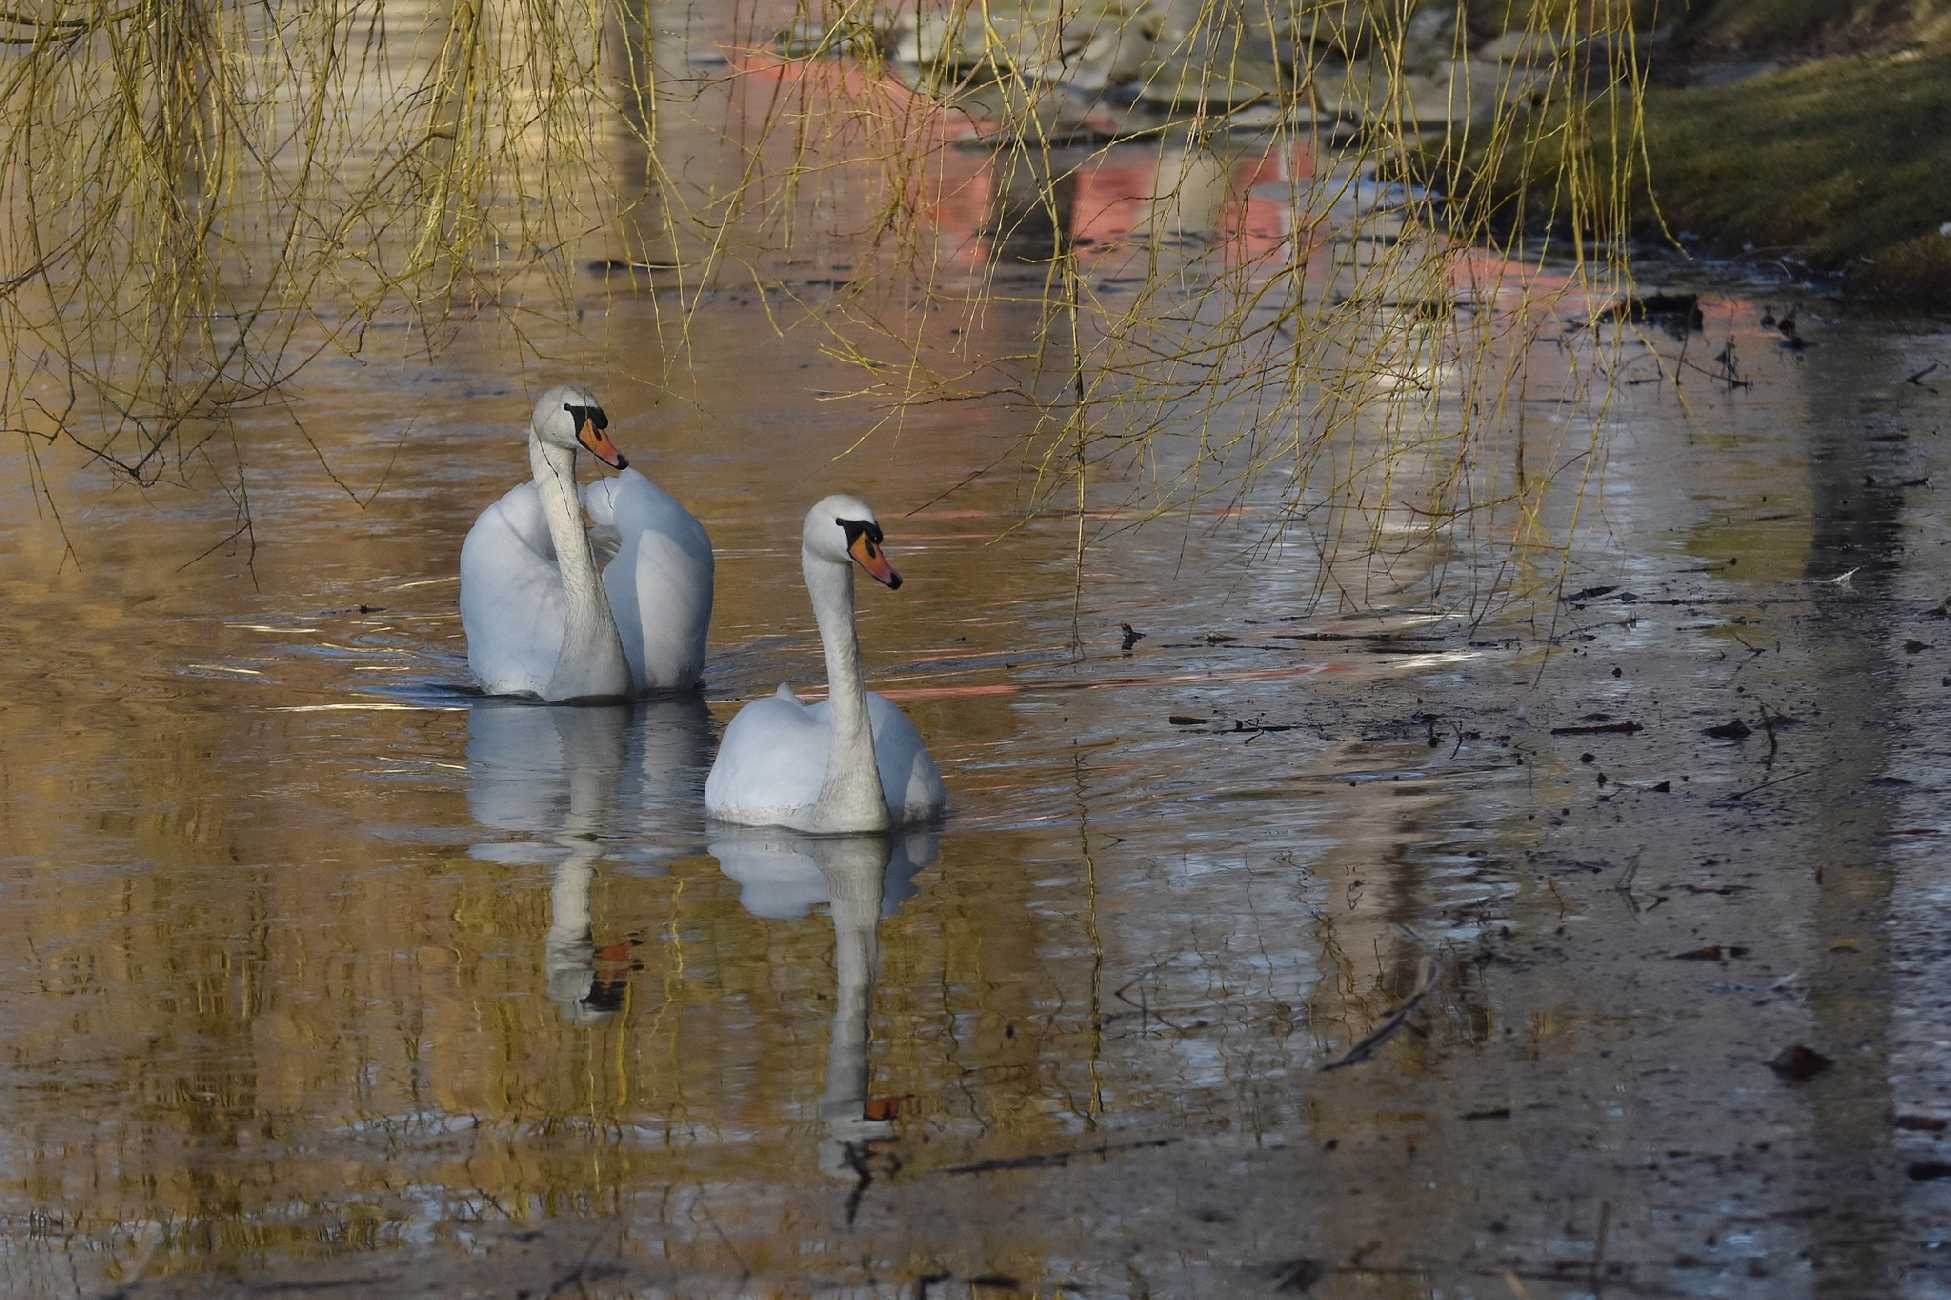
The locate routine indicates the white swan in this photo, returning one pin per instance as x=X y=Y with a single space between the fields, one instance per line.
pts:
x=537 y=619
x=852 y=762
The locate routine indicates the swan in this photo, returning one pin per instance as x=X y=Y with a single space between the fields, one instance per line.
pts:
x=852 y=762
x=537 y=618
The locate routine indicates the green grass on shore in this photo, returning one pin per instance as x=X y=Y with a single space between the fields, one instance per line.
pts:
x=1844 y=162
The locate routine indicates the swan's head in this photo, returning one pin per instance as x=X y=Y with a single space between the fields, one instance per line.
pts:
x=570 y=416
x=842 y=529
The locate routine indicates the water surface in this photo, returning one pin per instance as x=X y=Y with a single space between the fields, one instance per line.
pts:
x=327 y=972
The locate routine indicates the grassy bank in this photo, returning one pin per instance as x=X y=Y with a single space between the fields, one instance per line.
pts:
x=1843 y=162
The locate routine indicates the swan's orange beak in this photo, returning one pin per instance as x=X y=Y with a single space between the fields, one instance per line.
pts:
x=869 y=556
x=600 y=446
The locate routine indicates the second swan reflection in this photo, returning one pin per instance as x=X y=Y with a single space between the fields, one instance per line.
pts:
x=783 y=875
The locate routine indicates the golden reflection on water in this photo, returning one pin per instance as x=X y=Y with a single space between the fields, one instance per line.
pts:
x=316 y=963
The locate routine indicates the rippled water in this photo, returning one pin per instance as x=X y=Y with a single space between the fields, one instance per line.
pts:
x=327 y=973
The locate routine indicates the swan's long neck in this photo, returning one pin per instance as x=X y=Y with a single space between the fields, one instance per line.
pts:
x=851 y=798
x=591 y=664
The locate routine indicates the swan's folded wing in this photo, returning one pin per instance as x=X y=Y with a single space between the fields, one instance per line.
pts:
x=770 y=766
x=909 y=777
x=660 y=583
x=511 y=596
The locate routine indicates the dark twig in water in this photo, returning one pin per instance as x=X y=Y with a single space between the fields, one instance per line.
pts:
x=1625 y=883
x=1599 y=1247
x=1743 y=794
x=1363 y=1050
x=1055 y=1157
x=1918 y=378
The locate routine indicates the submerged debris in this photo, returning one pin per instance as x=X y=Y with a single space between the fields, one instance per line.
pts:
x=1799 y=1063
x=1672 y=309
x=1296 y=1274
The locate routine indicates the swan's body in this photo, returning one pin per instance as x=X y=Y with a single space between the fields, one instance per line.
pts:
x=773 y=764
x=541 y=618
x=852 y=762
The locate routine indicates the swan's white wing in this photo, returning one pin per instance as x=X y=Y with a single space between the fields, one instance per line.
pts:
x=909 y=777
x=511 y=596
x=771 y=764
x=660 y=583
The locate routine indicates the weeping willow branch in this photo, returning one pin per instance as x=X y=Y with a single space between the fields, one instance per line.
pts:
x=1245 y=249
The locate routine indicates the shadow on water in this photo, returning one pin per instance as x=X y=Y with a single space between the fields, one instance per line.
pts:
x=1857 y=517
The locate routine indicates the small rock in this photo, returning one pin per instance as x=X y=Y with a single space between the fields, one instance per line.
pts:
x=1712 y=952
x=1799 y=1063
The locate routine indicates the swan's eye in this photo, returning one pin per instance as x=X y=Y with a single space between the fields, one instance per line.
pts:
x=858 y=528
x=587 y=415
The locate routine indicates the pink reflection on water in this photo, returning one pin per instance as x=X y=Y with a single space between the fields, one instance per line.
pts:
x=1259 y=206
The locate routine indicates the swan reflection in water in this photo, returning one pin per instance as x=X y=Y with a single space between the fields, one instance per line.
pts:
x=575 y=783
x=782 y=875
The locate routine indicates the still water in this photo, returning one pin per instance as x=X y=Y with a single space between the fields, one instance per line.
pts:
x=325 y=972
